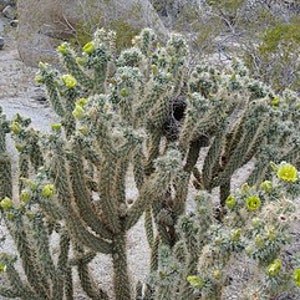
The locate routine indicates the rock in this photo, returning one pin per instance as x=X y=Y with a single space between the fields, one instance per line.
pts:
x=14 y=23
x=9 y=12
x=41 y=31
x=4 y=3
x=2 y=24
x=1 y=42
x=38 y=94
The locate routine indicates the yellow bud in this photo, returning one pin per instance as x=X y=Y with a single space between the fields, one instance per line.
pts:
x=124 y=92
x=30 y=215
x=230 y=202
x=88 y=48
x=84 y=130
x=274 y=268
x=236 y=234
x=78 y=112
x=10 y=216
x=271 y=234
x=19 y=147
x=2 y=268
x=48 y=191
x=69 y=81
x=256 y=222
x=38 y=79
x=297 y=277
x=6 y=203
x=266 y=186
x=81 y=102
x=15 y=127
x=154 y=70
x=259 y=242
x=275 y=101
x=245 y=187
x=63 y=49
x=217 y=274
x=25 y=197
x=195 y=281
x=81 y=60
x=56 y=126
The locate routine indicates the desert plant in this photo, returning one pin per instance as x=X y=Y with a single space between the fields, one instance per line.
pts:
x=245 y=256
x=141 y=113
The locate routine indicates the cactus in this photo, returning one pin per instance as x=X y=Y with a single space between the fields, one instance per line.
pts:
x=141 y=111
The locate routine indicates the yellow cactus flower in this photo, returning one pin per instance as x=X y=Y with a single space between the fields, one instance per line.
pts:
x=253 y=203
x=69 y=81
x=297 y=277
x=287 y=172
x=89 y=48
x=230 y=202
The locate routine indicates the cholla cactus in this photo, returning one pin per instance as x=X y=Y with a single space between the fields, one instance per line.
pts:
x=212 y=259
x=142 y=111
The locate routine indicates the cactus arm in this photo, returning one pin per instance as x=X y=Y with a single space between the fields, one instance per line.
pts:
x=75 y=70
x=258 y=173
x=86 y=280
x=5 y=176
x=68 y=287
x=108 y=204
x=75 y=223
x=181 y=187
x=48 y=77
x=192 y=155
x=9 y=293
x=43 y=247
x=82 y=198
x=166 y=169
x=31 y=268
x=153 y=151
x=100 y=73
x=138 y=167
x=212 y=158
x=18 y=288
x=121 y=280
x=63 y=278
x=149 y=226
x=137 y=208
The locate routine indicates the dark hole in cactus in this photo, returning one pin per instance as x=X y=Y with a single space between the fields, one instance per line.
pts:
x=175 y=117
